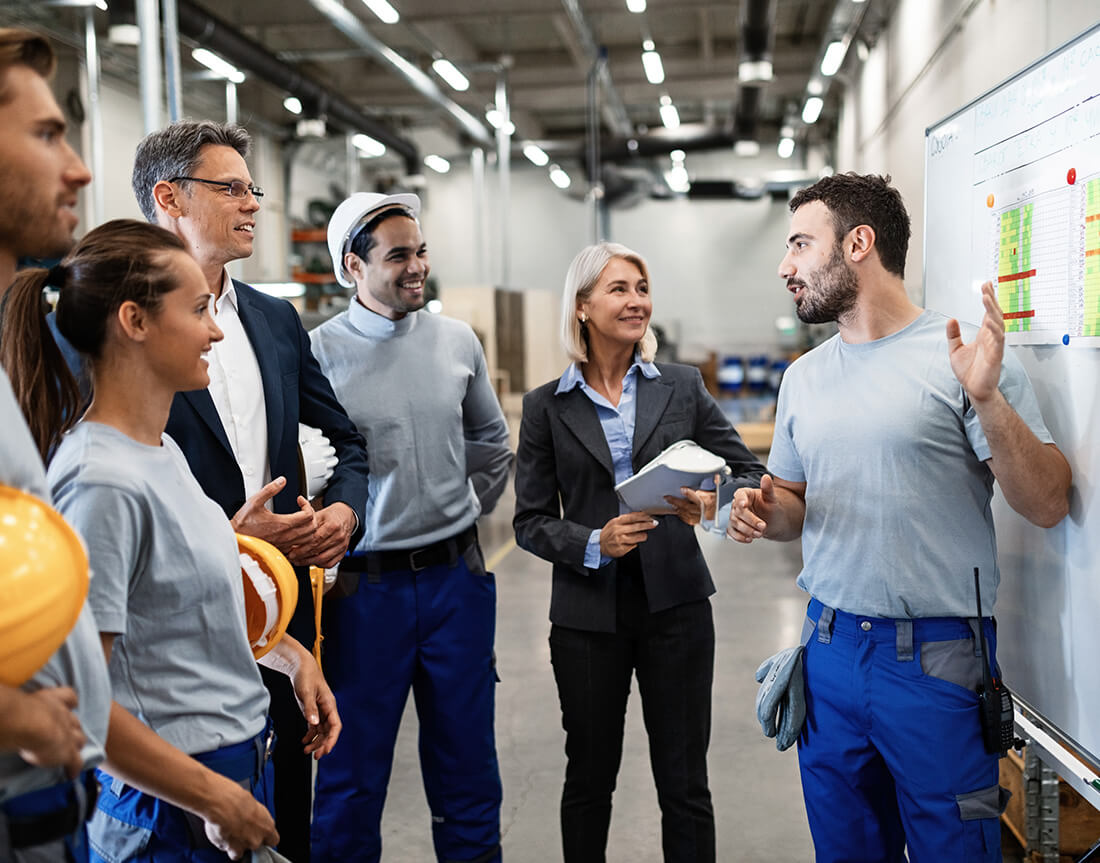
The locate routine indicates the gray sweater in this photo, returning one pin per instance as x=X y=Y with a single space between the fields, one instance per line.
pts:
x=437 y=442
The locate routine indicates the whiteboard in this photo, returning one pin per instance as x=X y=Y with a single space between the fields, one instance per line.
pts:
x=1012 y=194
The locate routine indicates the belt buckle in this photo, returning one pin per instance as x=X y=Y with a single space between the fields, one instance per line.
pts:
x=412 y=559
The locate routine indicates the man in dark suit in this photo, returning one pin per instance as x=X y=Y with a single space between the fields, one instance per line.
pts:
x=240 y=435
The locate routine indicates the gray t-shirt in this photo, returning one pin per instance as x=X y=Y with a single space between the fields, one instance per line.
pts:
x=418 y=391
x=168 y=581
x=897 y=491
x=79 y=661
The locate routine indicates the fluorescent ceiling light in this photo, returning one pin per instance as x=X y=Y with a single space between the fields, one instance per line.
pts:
x=815 y=87
x=670 y=116
x=559 y=178
x=536 y=154
x=293 y=104
x=218 y=66
x=385 y=12
x=785 y=148
x=812 y=110
x=367 y=146
x=101 y=4
x=437 y=163
x=654 y=71
x=447 y=70
x=834 y=56
x=754 y=70
x=311 y=128
x=123 y=34
x=637 y=6
x=496 y=120
x=746 y=148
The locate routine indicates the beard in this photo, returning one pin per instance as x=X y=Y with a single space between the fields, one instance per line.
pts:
x=831 y=294
x=29 y=224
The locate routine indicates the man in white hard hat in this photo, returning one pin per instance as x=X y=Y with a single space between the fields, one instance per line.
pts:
x=414 y=606
x=54 y=727
x=240 y=435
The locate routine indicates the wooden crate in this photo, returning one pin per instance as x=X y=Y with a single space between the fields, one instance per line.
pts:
x=1078 y=821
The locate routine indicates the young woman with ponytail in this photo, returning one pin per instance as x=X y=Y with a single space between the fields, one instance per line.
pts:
x=185 y=776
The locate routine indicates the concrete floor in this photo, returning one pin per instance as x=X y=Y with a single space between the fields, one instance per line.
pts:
x=757 y=799
x=756 y=792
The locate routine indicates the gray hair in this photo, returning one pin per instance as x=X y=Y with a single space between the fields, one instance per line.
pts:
x=175 y=150
x=580 y=279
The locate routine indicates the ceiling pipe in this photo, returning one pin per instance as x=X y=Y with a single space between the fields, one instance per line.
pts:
x=623 y=149
x=212 y=33
x=614 y=111
x=348 y=24
x=757 y=36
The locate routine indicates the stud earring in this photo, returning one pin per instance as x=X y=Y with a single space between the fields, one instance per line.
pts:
x=584 y=318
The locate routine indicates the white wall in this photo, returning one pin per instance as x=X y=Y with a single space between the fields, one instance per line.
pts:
x=934 y=58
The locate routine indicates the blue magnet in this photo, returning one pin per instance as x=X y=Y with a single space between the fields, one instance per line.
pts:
x=1065 y=339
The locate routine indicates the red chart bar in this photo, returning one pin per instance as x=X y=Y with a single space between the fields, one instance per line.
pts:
x=1010 y=316
x=1015 y=277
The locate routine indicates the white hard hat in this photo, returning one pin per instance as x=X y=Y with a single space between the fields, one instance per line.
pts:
x=350 y=215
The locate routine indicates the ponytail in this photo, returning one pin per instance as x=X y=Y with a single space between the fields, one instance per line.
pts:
x=44 y=386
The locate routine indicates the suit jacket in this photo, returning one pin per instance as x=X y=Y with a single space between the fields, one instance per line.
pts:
x=565 y=488
x=295 y=389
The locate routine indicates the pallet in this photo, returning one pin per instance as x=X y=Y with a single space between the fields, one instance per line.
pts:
x=1048 y=831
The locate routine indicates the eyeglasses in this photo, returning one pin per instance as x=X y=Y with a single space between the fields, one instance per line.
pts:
x=236 y=188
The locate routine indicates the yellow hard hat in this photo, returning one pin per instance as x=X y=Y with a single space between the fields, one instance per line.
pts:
x=44 y=578
x=270 y=592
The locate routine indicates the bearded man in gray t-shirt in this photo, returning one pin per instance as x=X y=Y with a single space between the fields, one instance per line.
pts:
x=888 y=438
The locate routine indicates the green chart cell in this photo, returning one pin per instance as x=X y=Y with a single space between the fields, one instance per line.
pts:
x=1091 y=323
x=1014 y=270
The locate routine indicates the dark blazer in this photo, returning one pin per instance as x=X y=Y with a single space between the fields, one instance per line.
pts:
x=565 y=489
x=295 y=389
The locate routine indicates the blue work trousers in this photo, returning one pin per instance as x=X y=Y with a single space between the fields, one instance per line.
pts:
x=891 y=753
x=130 y=826
x=430 y=631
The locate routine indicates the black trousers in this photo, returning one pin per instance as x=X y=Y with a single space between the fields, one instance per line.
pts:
x=293 y=768
x=672 y=654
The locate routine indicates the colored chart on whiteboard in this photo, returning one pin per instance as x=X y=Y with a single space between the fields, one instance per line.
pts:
x=1046 y=256
x=1032 y=243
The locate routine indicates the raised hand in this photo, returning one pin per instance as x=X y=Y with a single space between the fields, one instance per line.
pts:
x=978 y=365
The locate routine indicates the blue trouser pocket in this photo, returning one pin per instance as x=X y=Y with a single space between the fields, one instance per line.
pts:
x=980 y=812
x=135 y=827
x=122 y=825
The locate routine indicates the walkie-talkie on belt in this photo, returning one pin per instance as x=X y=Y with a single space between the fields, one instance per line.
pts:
x=994 y=699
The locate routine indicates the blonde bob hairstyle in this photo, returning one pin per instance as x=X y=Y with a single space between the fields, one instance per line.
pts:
x=580 y=279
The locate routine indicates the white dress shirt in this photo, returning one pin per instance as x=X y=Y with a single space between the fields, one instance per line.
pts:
x=238 y=392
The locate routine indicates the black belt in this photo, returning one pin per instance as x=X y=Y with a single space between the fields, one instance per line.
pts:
x=28 y=831
x=412 y=559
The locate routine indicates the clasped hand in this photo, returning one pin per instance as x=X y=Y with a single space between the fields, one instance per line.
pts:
x=309 y=537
